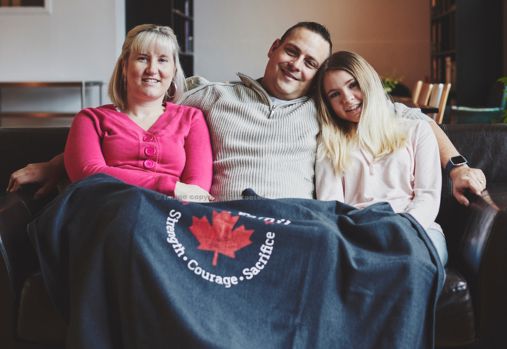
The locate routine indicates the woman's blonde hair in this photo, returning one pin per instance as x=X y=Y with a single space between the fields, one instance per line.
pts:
x=138 y=39
x=378 y=130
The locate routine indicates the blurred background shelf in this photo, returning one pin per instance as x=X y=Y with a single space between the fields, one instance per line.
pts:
x=177 y=14
x=82 y=85
x=35 y=119
x=40 y=118
x=466 y=48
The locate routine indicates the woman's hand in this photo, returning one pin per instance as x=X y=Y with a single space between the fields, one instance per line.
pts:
x=48 y=174
x=191 y=192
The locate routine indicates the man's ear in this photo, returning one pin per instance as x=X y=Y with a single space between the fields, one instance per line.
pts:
x=276 y=44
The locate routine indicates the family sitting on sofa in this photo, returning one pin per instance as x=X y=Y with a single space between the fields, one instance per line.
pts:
x=316 y=125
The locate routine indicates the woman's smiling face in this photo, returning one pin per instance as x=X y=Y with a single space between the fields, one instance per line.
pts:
x=344 y=95
x=149 y=73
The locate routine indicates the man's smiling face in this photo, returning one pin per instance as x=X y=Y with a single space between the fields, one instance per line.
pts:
x=293 y=63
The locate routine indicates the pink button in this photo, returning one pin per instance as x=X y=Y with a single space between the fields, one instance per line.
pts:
x=149 y=164
x=148 y=138
x=150 y=151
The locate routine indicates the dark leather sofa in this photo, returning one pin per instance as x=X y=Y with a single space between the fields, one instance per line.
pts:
x=472 y=310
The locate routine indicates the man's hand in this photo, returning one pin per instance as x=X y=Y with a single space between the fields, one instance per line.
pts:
x=191 y=192
x=465 y=178
x=45 y=173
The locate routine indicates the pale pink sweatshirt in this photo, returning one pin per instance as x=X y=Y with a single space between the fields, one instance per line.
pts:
x=409 y=179
x=175 y=148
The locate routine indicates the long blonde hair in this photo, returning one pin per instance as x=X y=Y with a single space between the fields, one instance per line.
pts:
x=378 y=130
x=138 y=39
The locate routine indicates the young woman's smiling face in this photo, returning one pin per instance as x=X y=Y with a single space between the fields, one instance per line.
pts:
x=344 y=95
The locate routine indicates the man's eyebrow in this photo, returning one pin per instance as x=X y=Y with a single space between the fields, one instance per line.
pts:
x=308 y=57
x=294 y=46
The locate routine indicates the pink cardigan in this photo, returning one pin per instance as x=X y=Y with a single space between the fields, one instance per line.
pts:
x=175 y=148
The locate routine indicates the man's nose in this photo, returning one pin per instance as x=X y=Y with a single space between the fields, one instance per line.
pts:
x=295 y=63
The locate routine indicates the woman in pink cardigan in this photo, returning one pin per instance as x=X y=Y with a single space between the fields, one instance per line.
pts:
x=143 y=138
x=367 y=154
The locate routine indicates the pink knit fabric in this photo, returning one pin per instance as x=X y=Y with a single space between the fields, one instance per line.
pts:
x=175 y=148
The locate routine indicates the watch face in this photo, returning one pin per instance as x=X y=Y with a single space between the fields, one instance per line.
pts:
x=458 y=160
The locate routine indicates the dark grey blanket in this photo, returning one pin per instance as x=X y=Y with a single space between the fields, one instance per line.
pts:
x=131 y=268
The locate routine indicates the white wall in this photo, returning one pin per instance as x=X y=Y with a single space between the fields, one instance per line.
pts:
x=81 y=39
x=235 y=35
x=78 y=40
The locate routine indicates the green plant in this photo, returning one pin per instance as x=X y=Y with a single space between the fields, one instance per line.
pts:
x=389 y=84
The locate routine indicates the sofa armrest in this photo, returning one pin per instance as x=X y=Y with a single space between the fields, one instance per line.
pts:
x=481 y=224
x=477 y=241
x=470 y=230
x=16 y=251
x=484 y=254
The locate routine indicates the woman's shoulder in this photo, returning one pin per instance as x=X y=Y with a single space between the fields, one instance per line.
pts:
x=98 y=111
x=182 y=108
x=414 y=124
x=416 y=129
x=184 y=112
x=405 y=112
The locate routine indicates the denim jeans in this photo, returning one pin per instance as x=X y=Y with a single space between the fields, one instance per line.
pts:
x=438 y=240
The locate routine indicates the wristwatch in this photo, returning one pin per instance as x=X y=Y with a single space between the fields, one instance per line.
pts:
x=455 y=161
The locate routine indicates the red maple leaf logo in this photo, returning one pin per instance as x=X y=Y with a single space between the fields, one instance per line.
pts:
x=220 y=237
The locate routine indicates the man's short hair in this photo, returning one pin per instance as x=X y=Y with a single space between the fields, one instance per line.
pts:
x=313 y=27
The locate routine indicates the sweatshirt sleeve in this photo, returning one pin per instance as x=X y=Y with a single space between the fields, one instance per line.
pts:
x=83 y=157
x=199 y=160
x=328 y=185
x=427 y=176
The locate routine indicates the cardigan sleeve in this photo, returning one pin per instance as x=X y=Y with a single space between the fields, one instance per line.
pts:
x=427 y=176
x=199 y=160
x=83 y=157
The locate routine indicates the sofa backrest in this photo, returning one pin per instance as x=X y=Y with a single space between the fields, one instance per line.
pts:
x=20 y=146
x=484 y=145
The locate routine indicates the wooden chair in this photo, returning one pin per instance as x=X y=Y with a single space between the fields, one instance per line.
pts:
x=438 y=99
x=424 y=96
x=443 y=103
x=436 y=94
x=417 y=91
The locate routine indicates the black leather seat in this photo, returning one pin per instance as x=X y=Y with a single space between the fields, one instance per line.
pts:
x=472 y=309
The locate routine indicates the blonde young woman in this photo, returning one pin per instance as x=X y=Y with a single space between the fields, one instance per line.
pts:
x=143 y=138
x=367 y=154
